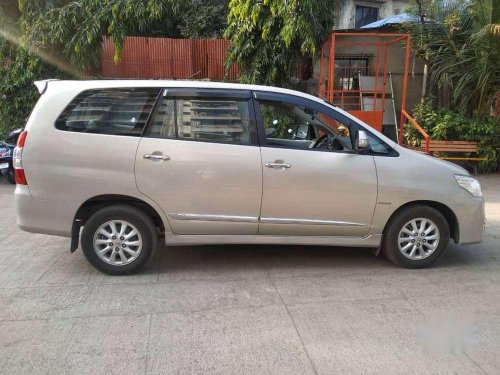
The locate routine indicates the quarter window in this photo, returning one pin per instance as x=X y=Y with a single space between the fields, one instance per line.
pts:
x=203 y=119
x=109 y=111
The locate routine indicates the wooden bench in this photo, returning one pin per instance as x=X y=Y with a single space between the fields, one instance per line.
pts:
x=436 y=148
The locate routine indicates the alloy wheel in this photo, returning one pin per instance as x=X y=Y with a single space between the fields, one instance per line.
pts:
x=418 y=238
x=117 y=242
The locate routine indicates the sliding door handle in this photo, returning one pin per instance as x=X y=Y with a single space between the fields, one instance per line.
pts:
x=278 y=164
x=155 y=157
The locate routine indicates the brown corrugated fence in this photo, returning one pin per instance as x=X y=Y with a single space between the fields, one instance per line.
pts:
x=168 y=58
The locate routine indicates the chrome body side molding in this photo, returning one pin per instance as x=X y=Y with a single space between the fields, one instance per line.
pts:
x=265 y=220
x=277 y=220
x=203 y=217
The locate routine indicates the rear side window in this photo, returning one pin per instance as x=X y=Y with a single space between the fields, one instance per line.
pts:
x=223 y=120
x=109 y=111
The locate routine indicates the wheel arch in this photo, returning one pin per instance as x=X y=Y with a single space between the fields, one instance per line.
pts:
x=92 y=205
x=447 y=212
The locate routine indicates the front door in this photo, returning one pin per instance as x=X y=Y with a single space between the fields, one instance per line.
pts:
x=314 y=183
x=200 y=161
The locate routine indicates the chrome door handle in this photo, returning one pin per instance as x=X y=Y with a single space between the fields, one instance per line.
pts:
x=155 y=157
x=278 y=164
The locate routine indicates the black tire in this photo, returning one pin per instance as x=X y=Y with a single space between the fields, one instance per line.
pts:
x=133 y=215
x=10 y=177
x=390 y=245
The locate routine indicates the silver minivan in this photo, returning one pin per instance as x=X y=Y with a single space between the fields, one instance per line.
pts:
x=117 y=165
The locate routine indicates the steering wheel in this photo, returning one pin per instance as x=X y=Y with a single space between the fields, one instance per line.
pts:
x=319 y=142
x=324 y=142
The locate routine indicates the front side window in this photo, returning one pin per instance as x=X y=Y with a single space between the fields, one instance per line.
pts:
x=109 y=111
x=203 y=119
x=294 y=126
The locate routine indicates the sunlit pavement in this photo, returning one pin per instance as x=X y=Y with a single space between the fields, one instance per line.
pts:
x=249 y=309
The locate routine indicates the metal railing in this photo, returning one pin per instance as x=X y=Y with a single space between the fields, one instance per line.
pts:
x=412 y=121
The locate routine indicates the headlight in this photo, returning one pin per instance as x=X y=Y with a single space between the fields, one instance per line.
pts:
x=470 y=184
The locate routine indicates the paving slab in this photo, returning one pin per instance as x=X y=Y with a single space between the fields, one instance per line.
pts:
x=260 y=340
x=132 y=299
x=97 y=345
x=377 y=337
x=249 y=309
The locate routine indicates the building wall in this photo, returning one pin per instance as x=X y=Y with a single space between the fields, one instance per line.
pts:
x=345 y=10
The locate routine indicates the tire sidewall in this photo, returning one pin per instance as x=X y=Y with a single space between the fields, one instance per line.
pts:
x=135 y=217
x=391 y=247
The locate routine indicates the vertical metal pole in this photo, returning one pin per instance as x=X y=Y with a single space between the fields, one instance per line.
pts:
x=405 y=88
x=384 y=84
x=375 y=94
x=321 y=86
x=331 y=72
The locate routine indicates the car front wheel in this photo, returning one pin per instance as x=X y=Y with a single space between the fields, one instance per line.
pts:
x=119 y=239
x=416 y=237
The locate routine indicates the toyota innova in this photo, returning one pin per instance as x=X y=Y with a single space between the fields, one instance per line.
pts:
x=117 y=165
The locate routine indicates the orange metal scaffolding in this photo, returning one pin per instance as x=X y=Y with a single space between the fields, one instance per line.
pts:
x=351 y=98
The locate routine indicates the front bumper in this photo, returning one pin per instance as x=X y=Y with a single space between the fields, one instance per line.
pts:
x=471 y=221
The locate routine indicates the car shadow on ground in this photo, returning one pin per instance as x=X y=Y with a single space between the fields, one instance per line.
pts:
x=243 y=258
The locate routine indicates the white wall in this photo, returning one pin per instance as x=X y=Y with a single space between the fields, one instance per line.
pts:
x=345 y=10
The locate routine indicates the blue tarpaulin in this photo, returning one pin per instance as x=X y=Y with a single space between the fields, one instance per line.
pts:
x=400 y=18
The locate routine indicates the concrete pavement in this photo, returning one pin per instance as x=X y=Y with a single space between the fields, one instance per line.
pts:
x=248 y=309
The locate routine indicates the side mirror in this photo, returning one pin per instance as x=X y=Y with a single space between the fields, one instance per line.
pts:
x=362 y=140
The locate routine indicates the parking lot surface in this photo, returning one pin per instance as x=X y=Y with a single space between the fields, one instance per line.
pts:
x=249 y=309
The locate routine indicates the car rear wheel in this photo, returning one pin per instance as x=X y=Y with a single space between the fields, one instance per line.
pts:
x=416 y=237
x=119 y=239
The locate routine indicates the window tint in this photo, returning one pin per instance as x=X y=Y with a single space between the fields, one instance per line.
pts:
x=292 y=126
x=110 y=111
x=203 y=119
x=377 y=146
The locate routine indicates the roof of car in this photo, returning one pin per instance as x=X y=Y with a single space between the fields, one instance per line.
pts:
x=91 y=84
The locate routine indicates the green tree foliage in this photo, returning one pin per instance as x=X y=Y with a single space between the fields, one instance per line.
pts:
x=461 y=44
x=203 y=18
x=19 y=67
x=61 y=38
x=75 y=28
x=442 y=124
x=17 y=92
x=269 y=37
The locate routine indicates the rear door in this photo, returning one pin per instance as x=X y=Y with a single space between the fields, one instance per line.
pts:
x=200 y=161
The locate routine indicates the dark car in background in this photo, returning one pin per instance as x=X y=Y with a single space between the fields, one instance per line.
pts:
x=6 y=151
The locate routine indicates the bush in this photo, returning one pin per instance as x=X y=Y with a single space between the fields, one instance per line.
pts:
x=441 y=124
x=18 y=94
